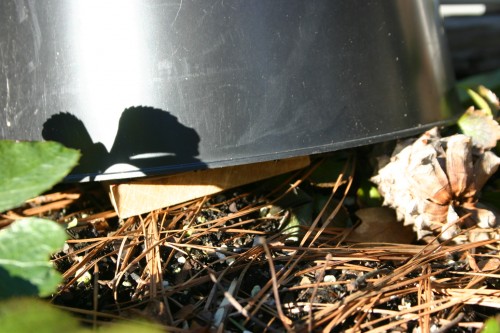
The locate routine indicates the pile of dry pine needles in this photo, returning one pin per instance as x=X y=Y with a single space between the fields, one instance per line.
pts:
x=231 y=263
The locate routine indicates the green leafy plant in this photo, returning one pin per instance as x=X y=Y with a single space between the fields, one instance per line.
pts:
x=481 y=127
x=489 y=79
x=30 y=315
x=28 y=169
x=491 y=325
x=25 y=247
x=480 y=124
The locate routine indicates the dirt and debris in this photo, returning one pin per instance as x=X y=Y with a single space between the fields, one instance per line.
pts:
x=267 y=257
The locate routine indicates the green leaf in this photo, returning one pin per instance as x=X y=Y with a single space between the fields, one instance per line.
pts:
x=29 y=168
x=490 y=80
x=481 y=127
x=491 y=326
x=25 y=248
x=25 y=315
x=30 y=315
x=481 y=103
x=491 y=98
x=368 y=195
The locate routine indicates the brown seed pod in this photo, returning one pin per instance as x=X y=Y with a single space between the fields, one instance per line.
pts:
x=432 y=183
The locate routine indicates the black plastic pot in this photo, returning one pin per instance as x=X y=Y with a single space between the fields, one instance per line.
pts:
x=151 y=87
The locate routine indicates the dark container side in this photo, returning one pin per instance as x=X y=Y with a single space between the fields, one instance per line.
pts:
x=153 y=87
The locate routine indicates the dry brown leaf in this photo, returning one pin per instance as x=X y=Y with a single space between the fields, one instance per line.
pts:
x=459 y=164
x=482 y=217
x=379 y=224
x=489 y=264
x=432 y=184
x=485 y=167
x=424 y=172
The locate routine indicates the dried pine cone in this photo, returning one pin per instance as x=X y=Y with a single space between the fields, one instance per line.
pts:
x=432 y=183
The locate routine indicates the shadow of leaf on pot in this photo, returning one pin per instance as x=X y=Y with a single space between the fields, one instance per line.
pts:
x=148 y=141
